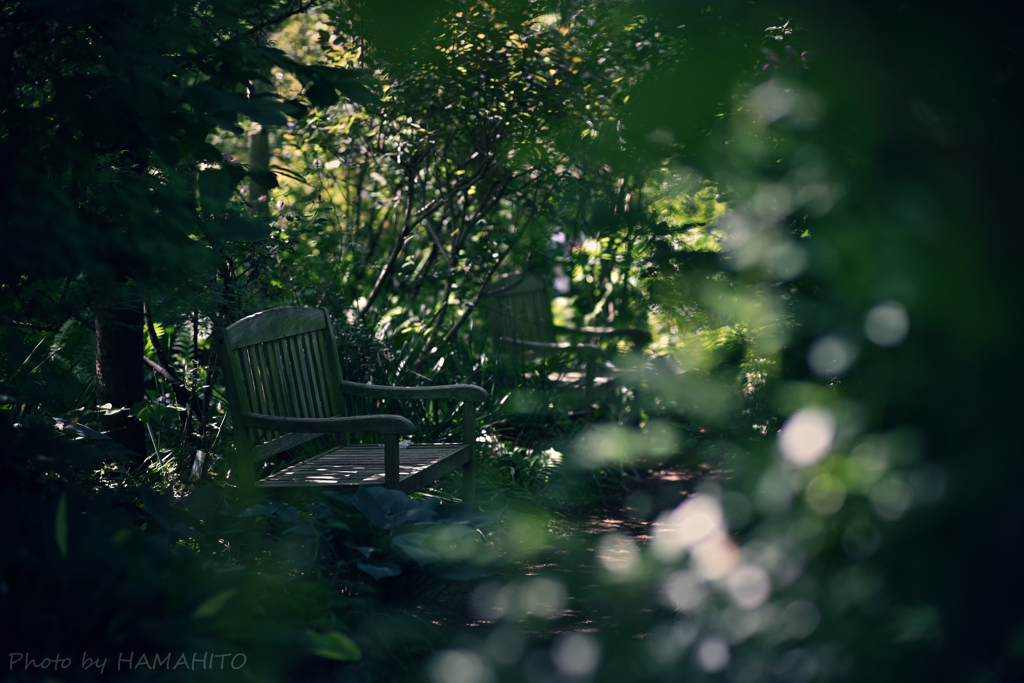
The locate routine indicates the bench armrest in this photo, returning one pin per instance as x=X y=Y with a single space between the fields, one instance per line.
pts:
x=457 y=392
x=382 y=424
x=590 y=349
x=639 y=337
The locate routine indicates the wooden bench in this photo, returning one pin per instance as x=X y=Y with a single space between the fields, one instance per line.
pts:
x=522 y=327
x=284 y=386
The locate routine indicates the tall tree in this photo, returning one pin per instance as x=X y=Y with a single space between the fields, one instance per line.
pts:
x=112 y=186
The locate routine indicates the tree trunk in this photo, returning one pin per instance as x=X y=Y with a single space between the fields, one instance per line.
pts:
x=119 y=376
x=259 y=160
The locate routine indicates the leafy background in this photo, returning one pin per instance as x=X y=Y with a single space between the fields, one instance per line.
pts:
x=810 y=208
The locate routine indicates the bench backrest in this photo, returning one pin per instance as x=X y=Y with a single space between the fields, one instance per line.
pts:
x=520 y=308
x=282 y=362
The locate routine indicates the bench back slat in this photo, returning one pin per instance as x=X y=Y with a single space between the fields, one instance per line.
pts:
x=281 y=362
x=522 y=312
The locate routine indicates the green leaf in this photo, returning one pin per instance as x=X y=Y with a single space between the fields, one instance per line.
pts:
x=379 y=571
x=207 y=152
x=337 y=524
x=412 y=544
x=213 y=604
x=60 y=525
x=387 y=508
x=357 y=92
x=146 y=414
x=215 y=189
x=334 y=645
x=321 y=94
x=267 y=179
x=264 y=111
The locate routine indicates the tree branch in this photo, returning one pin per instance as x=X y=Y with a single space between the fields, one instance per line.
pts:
x=275 y=20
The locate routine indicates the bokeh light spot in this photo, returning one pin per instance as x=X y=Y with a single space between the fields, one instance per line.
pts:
x=749 y=586
x=685 y=590
x=887 y=324
x=697 y=519
x=770 y=102
x=800 y=619
x=713 y=654
x=868 y=462
x=772 y=201
x=576 y=654
x=669 y=641
x=807 y=436
x=489 y=601
x=717 y=557
x=830 y=356
x=459 y=666
x=786 y=260
x=618 y=554
x=542 y=597
x=891 y=498
x=825 y=494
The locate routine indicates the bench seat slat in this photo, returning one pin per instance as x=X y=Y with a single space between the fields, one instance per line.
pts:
x=351 y=466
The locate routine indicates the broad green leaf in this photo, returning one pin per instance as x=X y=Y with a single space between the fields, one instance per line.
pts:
x=379 y=571
x=334 y=645
x=265 y=111
x=213 y=604
x=387 y=508
x=267 y=179
x=337 y=524
x=412 y=545
x=215 y=189
x=146 y=414
x=357 y=92
x=364 y=549
x=321 y=94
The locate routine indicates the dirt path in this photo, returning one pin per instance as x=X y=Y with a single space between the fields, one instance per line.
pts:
x=587 y=545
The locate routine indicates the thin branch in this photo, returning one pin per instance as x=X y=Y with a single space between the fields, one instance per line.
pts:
x=386 y=274
x=158 y=347
x=434 y=324
x=182 y=395
x=273 y=21
x=252 y=31
x=162 y=371
x=27 y=359
x=476 y=299
x=41 y=328
x=437 y=241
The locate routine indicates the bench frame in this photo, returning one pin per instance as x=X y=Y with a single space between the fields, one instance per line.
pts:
x=519 y=316
x=284 y=387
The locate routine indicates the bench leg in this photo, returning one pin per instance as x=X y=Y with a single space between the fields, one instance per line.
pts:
x=469 y=438
x=391 y=461
x=242 y=471
x=469 y=484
